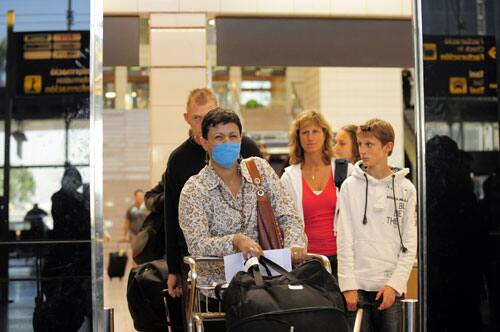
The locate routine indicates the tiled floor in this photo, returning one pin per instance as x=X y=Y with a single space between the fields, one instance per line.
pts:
x=20 y=310
x=115 y=296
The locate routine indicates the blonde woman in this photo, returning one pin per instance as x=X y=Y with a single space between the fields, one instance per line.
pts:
x=310 y=181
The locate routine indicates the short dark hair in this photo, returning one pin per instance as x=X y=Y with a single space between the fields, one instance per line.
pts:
x=200 y=97
x=138 y=191
x=217 y=116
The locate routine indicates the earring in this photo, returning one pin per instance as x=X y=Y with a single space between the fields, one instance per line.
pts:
x=207 y=158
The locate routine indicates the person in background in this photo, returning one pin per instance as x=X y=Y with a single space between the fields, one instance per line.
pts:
x=134 y=218
x=186 y=160
x=377 y=231
x=407 y=80
x=490 y=210
x=263 y=151
x=346 y=144
x=35 y=218
x=454 y=217
x=310 y=181
x=70 y=211
x=71 y=214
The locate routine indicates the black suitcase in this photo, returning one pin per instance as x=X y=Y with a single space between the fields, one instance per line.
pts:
x=117 y=264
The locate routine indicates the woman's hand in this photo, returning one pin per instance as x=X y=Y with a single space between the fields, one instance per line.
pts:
x=298 y=254
x=247 y=246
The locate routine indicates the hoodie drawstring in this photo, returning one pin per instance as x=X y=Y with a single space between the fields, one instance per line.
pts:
x=365 y=221
x=403 y=248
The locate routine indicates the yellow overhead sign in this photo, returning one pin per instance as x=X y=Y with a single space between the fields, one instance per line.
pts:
x=52 y=63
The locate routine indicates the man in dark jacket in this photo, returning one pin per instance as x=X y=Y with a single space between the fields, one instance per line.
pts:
x=186 y=160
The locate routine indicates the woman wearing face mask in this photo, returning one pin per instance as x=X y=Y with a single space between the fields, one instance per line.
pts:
x=346 y=144
x=310 y=181
x=218 y=206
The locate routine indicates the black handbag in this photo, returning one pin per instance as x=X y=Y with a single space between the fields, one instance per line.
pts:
x=305 y=299
x=145 y=298
x=149 y=244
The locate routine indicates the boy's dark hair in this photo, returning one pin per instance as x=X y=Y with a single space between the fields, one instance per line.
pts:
x=381 y=129
x=217 y=116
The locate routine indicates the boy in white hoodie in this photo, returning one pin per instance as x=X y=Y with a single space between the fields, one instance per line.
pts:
x=377 y=231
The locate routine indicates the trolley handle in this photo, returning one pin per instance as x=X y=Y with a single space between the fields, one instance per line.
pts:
x=193 y=261
x=323 y=260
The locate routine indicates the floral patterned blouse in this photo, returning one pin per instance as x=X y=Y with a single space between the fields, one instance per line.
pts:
x=210 y=216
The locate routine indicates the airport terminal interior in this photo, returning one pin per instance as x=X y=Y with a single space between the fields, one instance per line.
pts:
x=92 y=101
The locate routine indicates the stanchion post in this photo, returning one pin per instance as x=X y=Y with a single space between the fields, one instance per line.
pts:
x=109 y=319
x=409 y=313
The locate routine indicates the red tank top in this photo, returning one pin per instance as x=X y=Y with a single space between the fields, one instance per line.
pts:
x=318 y=218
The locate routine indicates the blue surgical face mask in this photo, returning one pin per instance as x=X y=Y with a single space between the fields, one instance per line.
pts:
x=226 y=154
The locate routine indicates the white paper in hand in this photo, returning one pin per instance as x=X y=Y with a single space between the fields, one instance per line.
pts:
x=234 y=263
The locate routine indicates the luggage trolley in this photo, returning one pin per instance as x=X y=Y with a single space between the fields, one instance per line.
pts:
x=196 y=315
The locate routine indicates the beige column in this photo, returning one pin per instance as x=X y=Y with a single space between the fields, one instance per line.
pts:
x=235 y=82
x=121 y=76
x=311 y=89
x=178 y=65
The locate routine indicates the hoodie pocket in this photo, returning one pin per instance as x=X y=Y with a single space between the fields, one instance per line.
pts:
x=374 y=260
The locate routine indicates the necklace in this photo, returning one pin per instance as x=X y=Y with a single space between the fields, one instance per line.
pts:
x=313 y=174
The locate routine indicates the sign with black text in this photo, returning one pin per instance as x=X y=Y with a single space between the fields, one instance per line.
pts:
x=460 y=66
x=52 y=63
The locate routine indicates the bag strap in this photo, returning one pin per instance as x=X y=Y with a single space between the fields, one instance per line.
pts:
x=254 y=171
x=266 y=262
x=276 y=267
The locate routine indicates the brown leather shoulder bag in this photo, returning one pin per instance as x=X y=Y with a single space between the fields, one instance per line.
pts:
x=270 y=236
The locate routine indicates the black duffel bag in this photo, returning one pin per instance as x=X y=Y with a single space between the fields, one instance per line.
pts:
x=145 y=297
x=305 y=299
